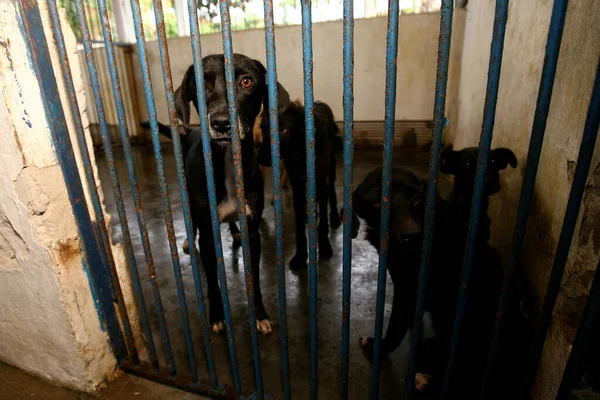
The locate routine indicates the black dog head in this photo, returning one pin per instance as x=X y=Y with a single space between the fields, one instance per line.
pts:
x=250 y=90
x=463 y=164
x=408 y=195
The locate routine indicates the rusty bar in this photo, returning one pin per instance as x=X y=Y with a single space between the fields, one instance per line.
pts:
x=447 y=10
x=212 y=197
x=110 y=159
x=239 y=186
x=584 y=159
x=89 y=173
x=275 y=162
x=388 y=144
x=485 y=141
x=311 y=193
x=555 y=31
x=31 y=25
x=348 y=100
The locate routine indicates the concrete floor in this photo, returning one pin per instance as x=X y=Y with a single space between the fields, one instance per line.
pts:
x=364 y=288
x=17 y=385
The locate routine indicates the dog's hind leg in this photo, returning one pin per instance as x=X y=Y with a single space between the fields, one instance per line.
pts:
x=235 y=234
x=209 y=262
x=325 y=250
x=334 y=216
x=299 y=196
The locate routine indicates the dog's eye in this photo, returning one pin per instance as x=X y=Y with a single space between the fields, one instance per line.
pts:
x=246 y=83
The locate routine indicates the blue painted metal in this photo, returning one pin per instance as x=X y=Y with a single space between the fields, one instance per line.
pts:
x=388 y=144
x=348 y=36
x=311 y=198
x=239 y=187
x=91 y=181
x=587 y=334
x=584 y=159
x=557 y=22
x=110 y=159
x=275 y=162
x=37 y=46
x=489 y=114
x=212 y=196
x=447 y=10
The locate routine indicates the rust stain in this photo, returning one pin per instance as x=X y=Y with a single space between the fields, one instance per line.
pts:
x=67 y=250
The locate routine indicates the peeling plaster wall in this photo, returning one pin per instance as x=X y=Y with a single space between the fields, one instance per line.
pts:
x=48 y=321
x=526 y=36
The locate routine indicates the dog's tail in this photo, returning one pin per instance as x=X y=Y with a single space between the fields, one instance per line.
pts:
x=163 y=129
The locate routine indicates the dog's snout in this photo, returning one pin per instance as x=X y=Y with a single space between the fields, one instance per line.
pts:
x=220 y=123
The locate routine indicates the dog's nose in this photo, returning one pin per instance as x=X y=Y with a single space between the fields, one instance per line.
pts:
x=220 y=123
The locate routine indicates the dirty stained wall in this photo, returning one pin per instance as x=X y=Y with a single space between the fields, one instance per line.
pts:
x=526 y=36
x=417 y=62
x=48 y=321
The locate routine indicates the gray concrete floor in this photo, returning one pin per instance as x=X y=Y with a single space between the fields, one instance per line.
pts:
x=364 y=288
x=17 y=385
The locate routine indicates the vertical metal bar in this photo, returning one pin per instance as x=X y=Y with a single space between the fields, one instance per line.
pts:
x=348 y=99
x=447 y=11
x=388 y=144
x=95 y=84
x=307 y=57
x=489 y=115
x=555 y=31
x=177 y=149
x=89 y=171
x=586 y=334
x=212 y=196
x=31 y=23
x=275 y=154
x=586 y=151
x=239 y=186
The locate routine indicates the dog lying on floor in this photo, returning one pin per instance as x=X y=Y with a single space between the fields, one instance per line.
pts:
x=251 y=93
x=293 y=156
x=451 y=224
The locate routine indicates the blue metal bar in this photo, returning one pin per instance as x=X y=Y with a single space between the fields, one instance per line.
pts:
x=557 y=22
x=348 y=99
x=31 y=23
x=388 y=144
x=91 y=181
x=110 y=159
x=212 y=193
x=447 y=11
x=274 y=131
x=584 y=159
x=309 y=101
x=586 y=335
x=489 y=114
x=239 y=186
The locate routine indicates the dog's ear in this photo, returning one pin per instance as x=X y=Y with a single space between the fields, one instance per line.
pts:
x=183 y=95
x=449 y=161
x=283 y=98
x=501 y=158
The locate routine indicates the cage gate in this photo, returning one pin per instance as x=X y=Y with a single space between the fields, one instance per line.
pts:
x=96 y=239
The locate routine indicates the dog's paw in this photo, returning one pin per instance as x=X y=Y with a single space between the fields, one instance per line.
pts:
x=264 y=326
x=218 y=327
x=186 y=247
x=237 y=240
x=421 y=381
x=325 y=250
x=334 y=219
x=298 y=263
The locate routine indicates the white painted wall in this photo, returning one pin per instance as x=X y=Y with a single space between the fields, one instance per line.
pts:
x=417 y=57
x=526 y=35
x=48 y=321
